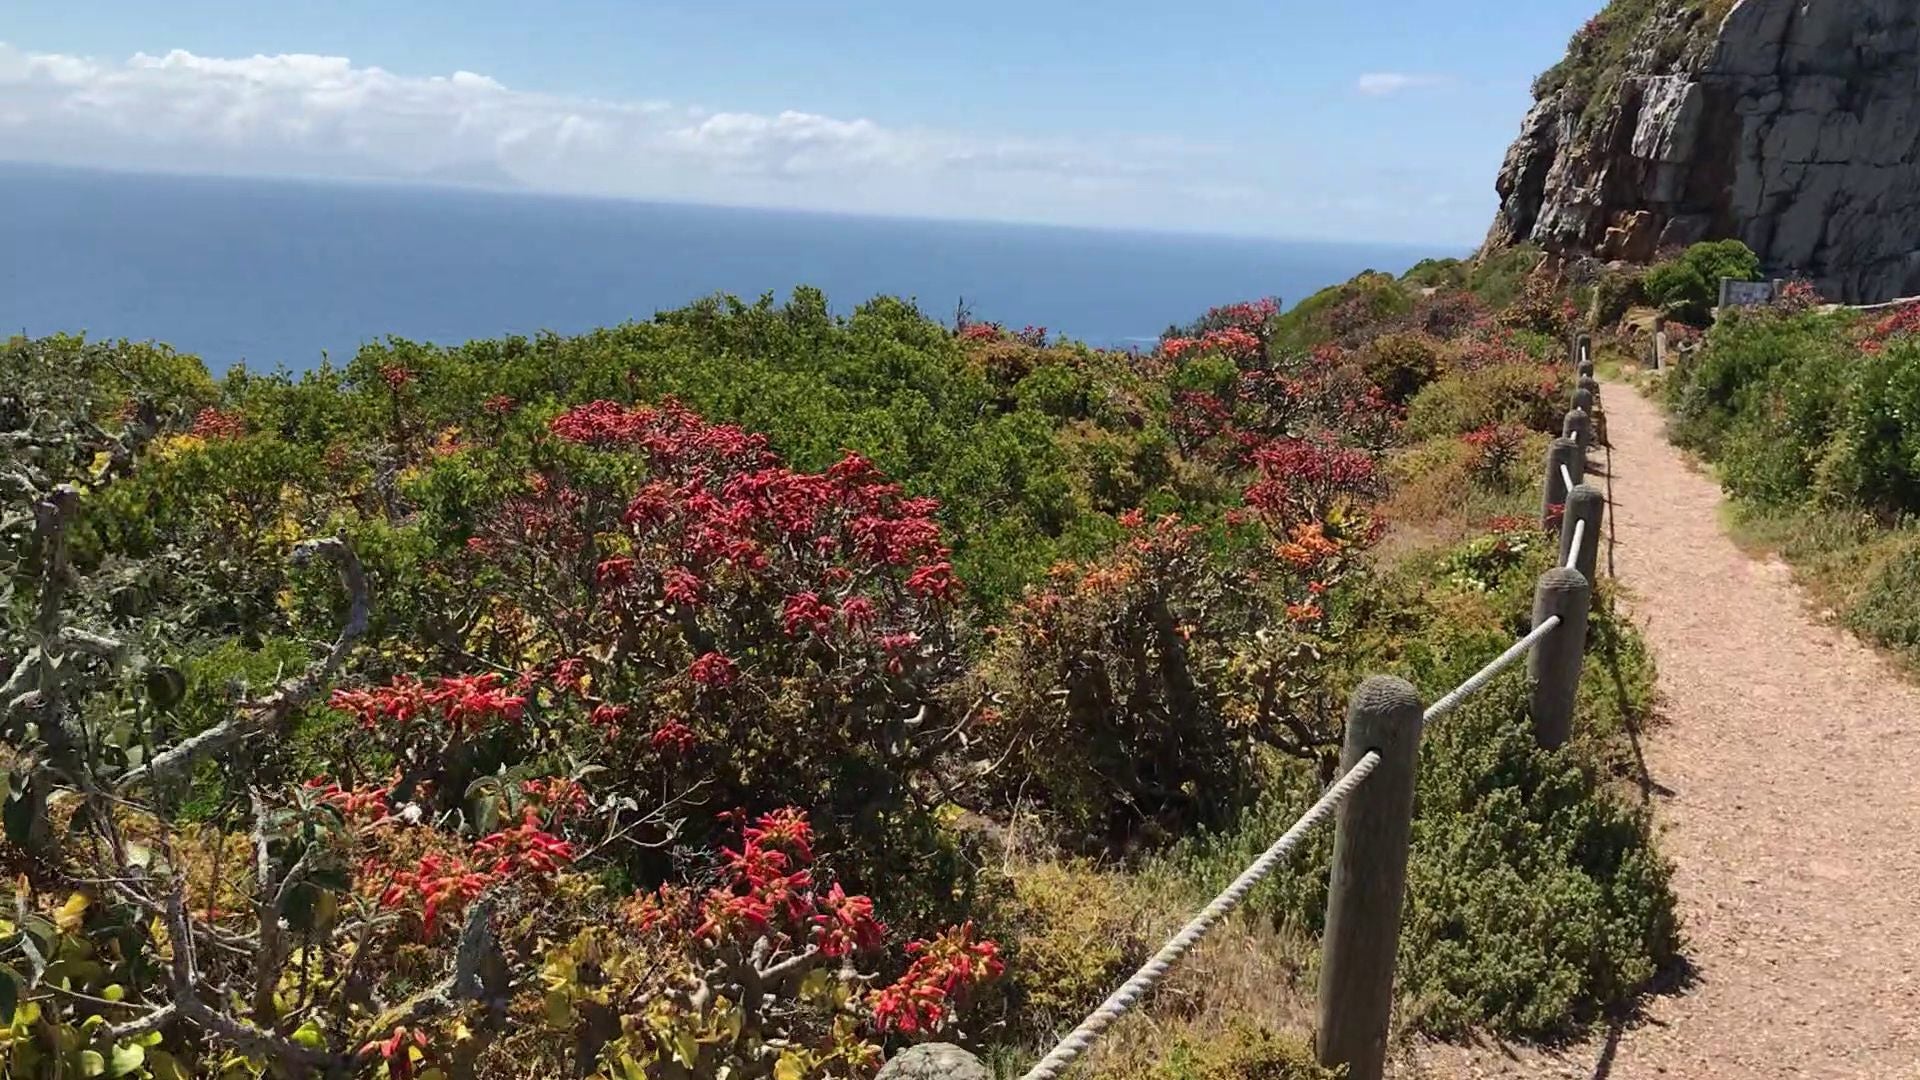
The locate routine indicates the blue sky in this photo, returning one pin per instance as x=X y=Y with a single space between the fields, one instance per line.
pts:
x=1382 y=121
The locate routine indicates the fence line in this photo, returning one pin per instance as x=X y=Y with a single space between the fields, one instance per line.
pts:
x=1371 y=840
x=1232 y=897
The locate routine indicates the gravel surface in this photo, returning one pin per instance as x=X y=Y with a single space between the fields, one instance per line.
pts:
x=1786 y=779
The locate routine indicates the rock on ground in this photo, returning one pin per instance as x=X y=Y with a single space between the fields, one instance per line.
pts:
x=935 y=1061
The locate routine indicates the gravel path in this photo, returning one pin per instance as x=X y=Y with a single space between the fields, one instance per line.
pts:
x=1786 y=778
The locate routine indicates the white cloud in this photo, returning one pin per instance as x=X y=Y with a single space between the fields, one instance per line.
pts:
x=326 y=116
x=1387 y=83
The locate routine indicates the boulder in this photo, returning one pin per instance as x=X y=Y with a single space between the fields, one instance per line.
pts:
x=934 y=1061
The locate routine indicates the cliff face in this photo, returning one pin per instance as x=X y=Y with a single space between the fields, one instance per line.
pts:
x=1793 y=125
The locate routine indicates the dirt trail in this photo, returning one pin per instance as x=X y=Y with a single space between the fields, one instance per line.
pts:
x=1786 y=780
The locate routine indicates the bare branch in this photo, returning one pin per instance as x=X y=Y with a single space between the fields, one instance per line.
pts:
x=269 y=712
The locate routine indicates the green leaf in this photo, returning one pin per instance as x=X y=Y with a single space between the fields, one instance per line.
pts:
x=165 y=1067
x=126 y=1058
x=310 y=1036
x=91 y=1063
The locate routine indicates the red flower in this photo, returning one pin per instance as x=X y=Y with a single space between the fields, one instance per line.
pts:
x=525 y=849
x=674 y=737
x=806 y=611
x=441 y=883
x=934 y=581
x=396 y=1050
x=558 y=796
x=858 y=612
x=898 y=647
x=608 y=715
x=680 y=586
x=613 y=572
x=396 y=376
x=944 y=971
x=786 y=828
x=846 y=924
x=714 y=671
x=498 y=405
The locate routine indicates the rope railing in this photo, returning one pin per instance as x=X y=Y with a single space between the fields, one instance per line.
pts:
x=1371 y=842
x=1155 y=969
x=1150 y=973
x=1459 y=694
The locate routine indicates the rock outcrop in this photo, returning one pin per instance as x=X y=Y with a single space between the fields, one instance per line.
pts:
x=1792 y=125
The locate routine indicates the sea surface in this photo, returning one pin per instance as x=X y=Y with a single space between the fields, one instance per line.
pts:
x=276 y=272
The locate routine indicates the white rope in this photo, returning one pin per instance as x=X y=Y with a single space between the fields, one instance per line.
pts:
x=1579 y=537
x=1144 y=980
x=1485 y=675
x=1151 y=972
x=1566 y=477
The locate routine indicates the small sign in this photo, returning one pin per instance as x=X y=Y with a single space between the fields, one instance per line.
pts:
x=1747 y=293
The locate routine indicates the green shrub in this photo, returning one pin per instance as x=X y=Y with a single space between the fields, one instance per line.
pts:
x=1053 y=389
x=1888 y=609
x=1497 y=277
x=1688 y=287
x=1073 y=934
x=1208 y=373
x=1243 y=1052
x=1535 y=898
x=1614 y=293
x=1401 y=365
x=1348 y=313
x=1463 y=401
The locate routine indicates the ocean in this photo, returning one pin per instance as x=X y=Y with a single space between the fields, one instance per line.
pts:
x=276 y=273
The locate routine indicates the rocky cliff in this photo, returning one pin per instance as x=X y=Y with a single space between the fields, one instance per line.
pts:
x=1793 y=125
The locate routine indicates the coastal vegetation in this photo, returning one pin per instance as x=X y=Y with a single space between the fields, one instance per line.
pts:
x=755 y=690
x=1812 y=417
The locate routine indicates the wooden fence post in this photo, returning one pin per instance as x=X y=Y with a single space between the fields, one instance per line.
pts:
x=1369 y=880
x=1578 y=427
x=1553 y=668
x=1584 y=503
x=1561 y=452
x=1589 y=383
x=1583 y=400
x=1583 y=350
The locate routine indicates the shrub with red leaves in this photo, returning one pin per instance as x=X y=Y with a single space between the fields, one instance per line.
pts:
x=945 y=972
x=692 y=576
x=213 y=423
x=1302 y=481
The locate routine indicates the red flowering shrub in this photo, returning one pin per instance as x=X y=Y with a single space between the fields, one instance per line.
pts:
x=944 y=974
x=1198 y=417
x=772 y=634
x=212 y=423
x=1234 y=342
x=1133 y=688
x=771 y=925
x=1541 y=308
x=1496 y=449
x=1903 y=321
x=1302 y=481
x=1797 y=297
